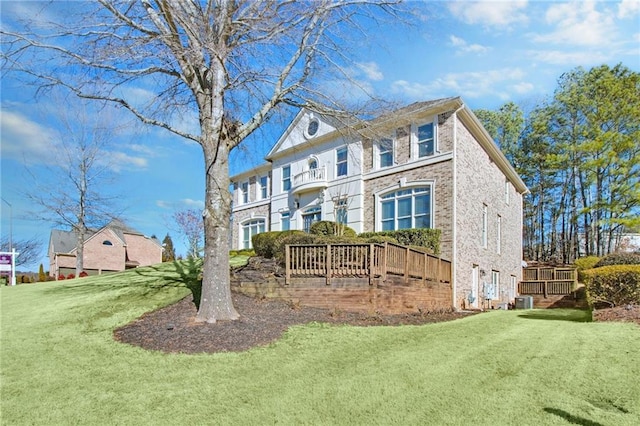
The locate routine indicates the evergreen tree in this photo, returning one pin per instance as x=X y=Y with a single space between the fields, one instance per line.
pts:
x=41 y=276
x=169 y=253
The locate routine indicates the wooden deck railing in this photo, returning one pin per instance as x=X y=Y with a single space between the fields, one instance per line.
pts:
x=548 y=281
x=363 y=260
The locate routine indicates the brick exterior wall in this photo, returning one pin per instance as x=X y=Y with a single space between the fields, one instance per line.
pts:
x=143 y=250
x=480 y=181
x=441 y=174
x=104 y=257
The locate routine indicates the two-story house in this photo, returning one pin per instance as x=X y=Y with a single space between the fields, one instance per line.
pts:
x=114 y=247
x=428 y=165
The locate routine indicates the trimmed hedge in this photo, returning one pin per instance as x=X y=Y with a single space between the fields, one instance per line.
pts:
x=268 y=244
x=328 y=228
x=619 y=259
x=585 y=263
x=421 y=237
x=616 y=284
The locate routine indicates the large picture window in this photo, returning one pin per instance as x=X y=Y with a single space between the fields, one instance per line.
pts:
x=407 y=208
x=249 y=229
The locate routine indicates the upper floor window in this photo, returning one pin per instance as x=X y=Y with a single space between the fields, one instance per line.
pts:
x=244 y=192
x=507 y=192
x=313 y=164
x=426 y=145
x=286 y=178
x=385 y=152
x=407 y=208
x=264 y=187
x=312 y=127
x=107 y=243
x=341 y=162
x=498 y=234
x=485 y=225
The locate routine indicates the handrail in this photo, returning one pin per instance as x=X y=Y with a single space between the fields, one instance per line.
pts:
x=365 y=260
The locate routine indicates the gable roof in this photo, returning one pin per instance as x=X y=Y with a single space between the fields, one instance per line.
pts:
x=398 y=117
x=66 y=241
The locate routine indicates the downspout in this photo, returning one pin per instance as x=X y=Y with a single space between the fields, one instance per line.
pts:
x=454 y=230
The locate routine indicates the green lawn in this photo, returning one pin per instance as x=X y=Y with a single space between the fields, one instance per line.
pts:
x=60 y=365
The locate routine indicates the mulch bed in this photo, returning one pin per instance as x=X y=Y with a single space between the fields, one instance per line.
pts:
x=174 y=329
x=627 y=313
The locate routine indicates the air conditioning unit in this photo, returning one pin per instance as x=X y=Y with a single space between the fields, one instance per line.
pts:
x=524 y=302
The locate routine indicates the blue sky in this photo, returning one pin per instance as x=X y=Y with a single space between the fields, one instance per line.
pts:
x=487 y=52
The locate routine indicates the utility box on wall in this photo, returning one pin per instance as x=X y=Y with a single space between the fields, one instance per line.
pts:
x=524 y=302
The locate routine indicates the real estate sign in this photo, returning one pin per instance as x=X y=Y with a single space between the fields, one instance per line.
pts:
x=7 y=266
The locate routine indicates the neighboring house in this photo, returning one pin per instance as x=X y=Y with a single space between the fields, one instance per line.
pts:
x=428 y=165
x=115 y=247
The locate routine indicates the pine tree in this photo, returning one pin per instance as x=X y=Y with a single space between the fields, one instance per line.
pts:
x=169 y=253
x=41 y=276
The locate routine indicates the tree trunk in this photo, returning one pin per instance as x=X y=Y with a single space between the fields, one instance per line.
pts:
x=216 y=303
x=80 y=253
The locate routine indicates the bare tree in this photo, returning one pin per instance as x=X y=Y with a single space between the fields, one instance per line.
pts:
x=29 y=250
x=235 y=63
x=74 y=195
x=191 y=226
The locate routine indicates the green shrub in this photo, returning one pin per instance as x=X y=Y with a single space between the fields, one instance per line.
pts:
x=421 y=237
x=585 y=263
x=379 y=239
x=268 y=244
x=619 y=259
x=616 y=284
x=246 y=252
x=293 y=237
x=328 y=228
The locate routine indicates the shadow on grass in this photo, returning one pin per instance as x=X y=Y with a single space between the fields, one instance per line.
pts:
x=572 y=315
x=574 y=420
x=187 y=273
x=179 y=273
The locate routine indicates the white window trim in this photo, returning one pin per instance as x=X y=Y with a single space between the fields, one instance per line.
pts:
x=495 y=280
x=377 y=211
x=259 y=187
x=289 y=215
x=498 y=234
x=414 y=138
x=376 y=152
x=485 y=226
x=241 y=230
x=507 y=191
x=242 y=193
x=282 y=179
x=346 y=161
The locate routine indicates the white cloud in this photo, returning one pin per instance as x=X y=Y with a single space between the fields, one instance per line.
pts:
x=569 y=58
x=193 y=203
x=628 y=8
x=490 y=13
x=522 y=88
x=371 y=70
x=467 y=85
x=578 y=23
x=119 y=161
x=24 y=139
x=464 y=47
x=163 y=204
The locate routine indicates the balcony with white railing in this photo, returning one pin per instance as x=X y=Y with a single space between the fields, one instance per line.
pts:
x=312 y=179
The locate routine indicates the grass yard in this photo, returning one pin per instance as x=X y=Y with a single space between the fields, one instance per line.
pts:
x=59 y=365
